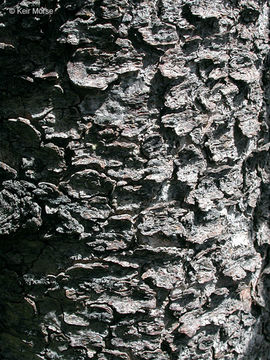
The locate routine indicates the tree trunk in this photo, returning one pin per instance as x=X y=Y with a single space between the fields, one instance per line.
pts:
x=134 y=197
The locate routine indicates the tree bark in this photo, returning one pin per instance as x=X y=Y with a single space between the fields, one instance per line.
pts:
x=134 y=168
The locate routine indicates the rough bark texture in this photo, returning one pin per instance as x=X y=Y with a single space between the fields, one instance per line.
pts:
x=134 y=180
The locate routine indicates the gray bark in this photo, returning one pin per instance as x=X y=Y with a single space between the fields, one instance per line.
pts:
x=134 y=168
